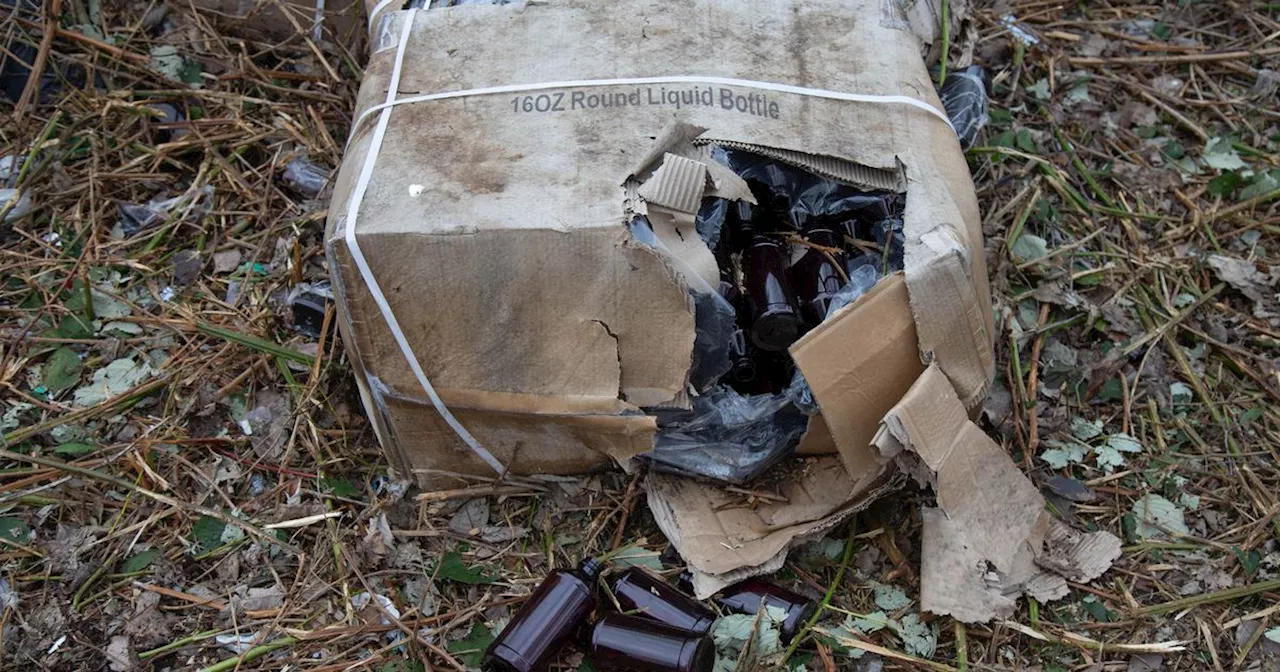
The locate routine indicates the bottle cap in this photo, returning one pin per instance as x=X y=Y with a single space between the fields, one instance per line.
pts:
x=590 y=568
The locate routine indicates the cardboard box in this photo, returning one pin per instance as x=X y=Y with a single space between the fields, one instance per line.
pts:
x=478 y=231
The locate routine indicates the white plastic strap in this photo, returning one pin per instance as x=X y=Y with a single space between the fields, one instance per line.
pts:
x=377 y=9
x=392 y=101
x=353 y=210
x=317 y=31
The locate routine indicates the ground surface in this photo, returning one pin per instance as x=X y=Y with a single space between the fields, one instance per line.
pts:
x=158 y=408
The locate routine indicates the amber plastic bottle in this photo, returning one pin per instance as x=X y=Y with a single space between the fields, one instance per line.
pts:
x=816 y=276
x=638 y=644
x=646 y=595
x=746 y=597
x=546 y=622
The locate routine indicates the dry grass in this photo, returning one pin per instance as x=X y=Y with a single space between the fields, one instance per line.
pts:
x=143 y=524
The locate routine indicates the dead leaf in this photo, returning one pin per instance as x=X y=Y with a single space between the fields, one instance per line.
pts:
x=473 y=515
x=1245 y=277
x=120 y=654
x=226 y=261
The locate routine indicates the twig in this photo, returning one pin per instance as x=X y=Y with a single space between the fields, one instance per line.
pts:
x=250 y=655
x=36 y=73
x=163 y=499
x=19 y=435
x=1072 y=639
x=1169 y=59
x=1209 y=598
x=211 y=602
x=845 y=559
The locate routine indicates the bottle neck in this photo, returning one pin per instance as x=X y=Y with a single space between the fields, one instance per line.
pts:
x=590 y=568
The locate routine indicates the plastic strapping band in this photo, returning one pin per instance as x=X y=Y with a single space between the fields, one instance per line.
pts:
x=353 y=209
x=392 y=101
x=377 y=9
x=317 y=31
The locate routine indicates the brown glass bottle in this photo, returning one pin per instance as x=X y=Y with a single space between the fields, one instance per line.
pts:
x=746 y=597
x=645 y=594
x=816 y=276
x=775 y=320
x=546 y=622
x=638 y=644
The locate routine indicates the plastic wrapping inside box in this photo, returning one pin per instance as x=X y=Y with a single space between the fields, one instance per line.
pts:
x=751 y=404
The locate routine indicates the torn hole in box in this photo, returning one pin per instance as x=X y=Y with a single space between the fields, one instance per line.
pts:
x=769 y=243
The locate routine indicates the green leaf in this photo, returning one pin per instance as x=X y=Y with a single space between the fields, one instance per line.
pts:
x=139 y=562
x=340 y=487
x=1156 y=516
x=1084 y=430
x=74 y=326
x=1224 y=184
x=1273 y=634
x=74 y=449
x=868 y=623
x=1040 y=89
x=1095 y=608
x=1248 y=561
x=15 y=530
x=1250 y=415
x=207 y=533
x=1079 y=92
x=889 y=598
x=1260 y=184
x=1025 y=142
x=452 y=568
x=1111 y=390
x=191 y=72
x=1124 y=443
x=1002 y=139
x=166 y=60
x=1063 y=454
x=471 y=648
x=919 y=639
x=733 y=631
x=636 y=556
x=1221 y=155
x=1180 y=392
x=62 y=371
x=1160 y=31
x=1029 y=247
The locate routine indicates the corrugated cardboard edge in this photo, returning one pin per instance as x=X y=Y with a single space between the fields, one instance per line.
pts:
x=830 y=167
x=950 y=318
x=687 y=511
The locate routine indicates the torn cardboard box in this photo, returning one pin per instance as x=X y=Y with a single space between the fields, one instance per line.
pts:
x=524 y=288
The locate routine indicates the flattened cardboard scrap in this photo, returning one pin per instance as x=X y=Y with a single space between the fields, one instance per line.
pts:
x=725 y=540
x=982 y=544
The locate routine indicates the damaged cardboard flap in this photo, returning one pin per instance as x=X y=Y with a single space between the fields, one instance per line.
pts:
x=674 y=177
x=724 y=540
x=985 y=543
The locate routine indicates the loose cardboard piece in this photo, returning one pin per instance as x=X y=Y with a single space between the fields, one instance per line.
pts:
x=725 y=538
x=982 y=544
